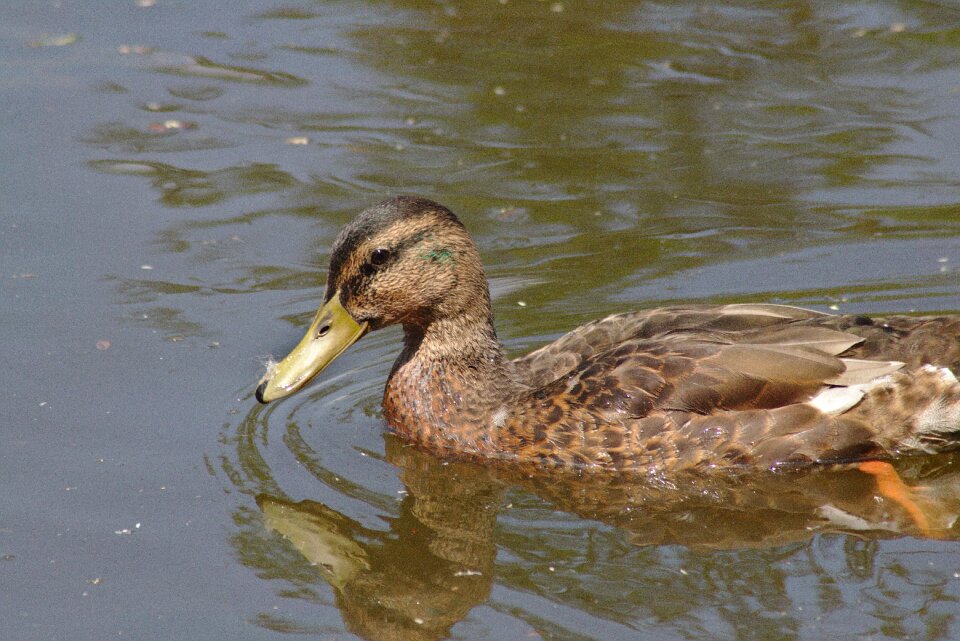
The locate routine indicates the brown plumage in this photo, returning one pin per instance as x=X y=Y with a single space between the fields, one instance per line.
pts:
x=680 y=388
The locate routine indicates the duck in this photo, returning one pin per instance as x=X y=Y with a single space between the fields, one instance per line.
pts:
x=682 y=388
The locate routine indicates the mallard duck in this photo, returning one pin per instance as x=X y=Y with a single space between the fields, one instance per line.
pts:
x=679 y=388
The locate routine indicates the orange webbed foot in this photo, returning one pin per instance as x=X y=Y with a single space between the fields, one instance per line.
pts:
x=891 y=486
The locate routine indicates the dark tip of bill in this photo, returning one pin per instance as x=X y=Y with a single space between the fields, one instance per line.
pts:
x=260 y=388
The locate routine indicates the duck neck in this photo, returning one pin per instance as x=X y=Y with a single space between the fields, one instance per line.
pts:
x=451 y=375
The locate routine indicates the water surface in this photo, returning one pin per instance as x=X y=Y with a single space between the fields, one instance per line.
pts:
x=176 y=173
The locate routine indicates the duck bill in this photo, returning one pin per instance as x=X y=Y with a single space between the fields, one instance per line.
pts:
x=332 y=331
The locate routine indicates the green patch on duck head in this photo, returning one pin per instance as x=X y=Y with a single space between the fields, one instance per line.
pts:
x=438 y=255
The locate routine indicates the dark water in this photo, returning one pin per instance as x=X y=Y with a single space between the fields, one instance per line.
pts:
x=162 y=232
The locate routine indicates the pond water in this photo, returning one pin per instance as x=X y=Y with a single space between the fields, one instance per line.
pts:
x=176 y=172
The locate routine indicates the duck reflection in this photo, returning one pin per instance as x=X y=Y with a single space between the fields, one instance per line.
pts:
x=423 y=575
x=436 y=560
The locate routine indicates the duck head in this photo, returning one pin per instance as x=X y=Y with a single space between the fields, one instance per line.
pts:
x=407 y=261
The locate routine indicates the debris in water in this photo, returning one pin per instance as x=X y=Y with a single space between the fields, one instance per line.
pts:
x=170 y=126
x=60 y=40
x=271 y=366
x=127 y=530
x=103 y=345
x=138 y=49
x=161 y=106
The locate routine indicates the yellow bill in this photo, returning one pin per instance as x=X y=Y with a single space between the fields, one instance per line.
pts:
x=332 y=331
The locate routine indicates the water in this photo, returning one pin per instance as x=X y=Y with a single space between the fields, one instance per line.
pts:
x=162 y=231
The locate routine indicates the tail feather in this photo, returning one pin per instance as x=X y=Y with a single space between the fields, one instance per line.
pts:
x=915 y=412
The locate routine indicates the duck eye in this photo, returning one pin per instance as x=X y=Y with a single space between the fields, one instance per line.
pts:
x=379 y=256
